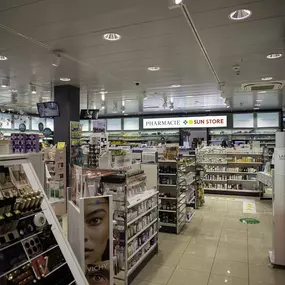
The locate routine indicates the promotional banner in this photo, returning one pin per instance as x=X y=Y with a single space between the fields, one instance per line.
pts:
x=186 y=122
x=98 y=240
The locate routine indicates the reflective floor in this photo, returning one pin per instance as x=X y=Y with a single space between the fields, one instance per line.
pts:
x=216 y=248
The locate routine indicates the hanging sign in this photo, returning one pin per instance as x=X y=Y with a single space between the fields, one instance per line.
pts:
x=186 y=122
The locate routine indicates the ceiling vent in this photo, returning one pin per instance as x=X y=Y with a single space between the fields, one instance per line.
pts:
x=266 y=86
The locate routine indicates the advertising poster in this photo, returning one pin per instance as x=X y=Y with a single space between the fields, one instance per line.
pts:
x=98 y=240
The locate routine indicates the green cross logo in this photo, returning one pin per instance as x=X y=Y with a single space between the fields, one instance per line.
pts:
x=185 y=122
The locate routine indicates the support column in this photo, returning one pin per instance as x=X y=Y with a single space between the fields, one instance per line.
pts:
x=68 y=98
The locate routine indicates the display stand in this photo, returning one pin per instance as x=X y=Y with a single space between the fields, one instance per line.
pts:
x=230 y=171
x=277 y=255
x=136 y=216
x=173 y=182
x=31 y=242
x=90 y=234
x=55 y=160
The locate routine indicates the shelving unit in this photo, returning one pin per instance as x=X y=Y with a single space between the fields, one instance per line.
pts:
x=174 y=195
x=136 y=216
x=31 y=233
x=132 y=137
x=229 y=171
x=265 y=136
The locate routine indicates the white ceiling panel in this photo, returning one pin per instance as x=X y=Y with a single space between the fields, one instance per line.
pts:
x=152 y=35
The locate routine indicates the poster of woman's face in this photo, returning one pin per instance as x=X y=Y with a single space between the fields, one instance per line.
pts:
x=97 y=240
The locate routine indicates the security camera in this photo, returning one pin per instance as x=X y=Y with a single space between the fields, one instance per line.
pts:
x=236 y=69
x=137 y=83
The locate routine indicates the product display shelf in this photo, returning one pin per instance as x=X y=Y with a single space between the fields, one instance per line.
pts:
x=230 y=171
x=55 y=161
x=265 y=136
x=265 y=185
x=136 y=216
x=176 y=191
x=31 y=242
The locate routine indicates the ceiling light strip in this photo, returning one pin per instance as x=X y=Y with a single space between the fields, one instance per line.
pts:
x=199 y=41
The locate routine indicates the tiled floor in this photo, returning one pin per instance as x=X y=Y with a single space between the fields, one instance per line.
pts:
x=215 y=248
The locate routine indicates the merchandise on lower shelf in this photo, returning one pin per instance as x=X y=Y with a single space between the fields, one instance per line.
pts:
x=136 y=216
x=228 y=169
x=32 y=248
x=177 y=189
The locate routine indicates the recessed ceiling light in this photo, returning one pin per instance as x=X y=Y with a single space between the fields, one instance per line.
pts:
x=266 y=78
x=64 y=79
x=175 y=85
x=256 y=108
x=177 y=2
x=111 y=37
x=274 y=55
x=2 y=57
x=257 y=105
x=261 y=92
x=228 y=106
x=153 y=68
x=240 y=14
x=258 y=100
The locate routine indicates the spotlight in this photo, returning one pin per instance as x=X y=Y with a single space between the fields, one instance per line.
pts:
x=153 y=68
x=123 y=103
x=56 y=59
x=240 y=14
x=65 y=79
x=123 y=109
x=228 y=106
x=102 y=106
x=266 y=78
x=171 y=106
x=33 y=89
x=112 y=37
x=144 y=95
x=274 y=55
x=5 y=82
x=172 y=4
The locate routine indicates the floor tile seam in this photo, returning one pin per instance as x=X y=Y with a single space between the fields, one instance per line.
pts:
x=216 y=274
x=178 y=263
x=247 y=256
x=215 y=257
